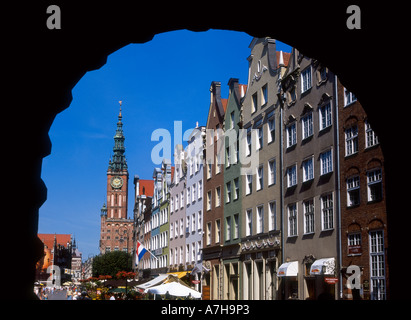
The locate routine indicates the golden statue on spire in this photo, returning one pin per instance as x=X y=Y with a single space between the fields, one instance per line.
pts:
x=119 y=115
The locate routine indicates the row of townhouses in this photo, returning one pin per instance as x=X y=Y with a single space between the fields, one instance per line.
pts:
x=279 y=196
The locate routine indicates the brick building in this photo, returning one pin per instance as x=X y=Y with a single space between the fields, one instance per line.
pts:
x=363 y=208
x=116 y=229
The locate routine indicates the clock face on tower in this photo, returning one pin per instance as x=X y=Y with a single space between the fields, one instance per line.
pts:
x=116 y=182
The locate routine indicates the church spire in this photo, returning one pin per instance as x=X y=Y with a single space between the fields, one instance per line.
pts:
x=119 y=162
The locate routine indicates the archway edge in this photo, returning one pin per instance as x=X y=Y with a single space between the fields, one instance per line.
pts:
x=58 y=59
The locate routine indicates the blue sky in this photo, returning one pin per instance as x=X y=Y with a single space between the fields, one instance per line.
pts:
x=159 y=82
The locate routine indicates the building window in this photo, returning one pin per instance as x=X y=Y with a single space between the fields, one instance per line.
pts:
x=200 y=220
x=208 y=230
x=254 y=103
x=349 y=97
x=264 y=95
x=228 y=229
x=353 y=191
x=259 y=143
x=308 y=169
x=325 y=116
x=292 y=220
x=228 y=192
x=260 y=219
x=271 y=172
x=249 y=185
x=374 y=182
x=326 y=162
x=308 y=207
x=249 y=222
x=237 y=189
x=307 y=123
x=377 y=261
x=260 y=175
x=188 y=195
x=271 y=216
x=193 y=198
x=227 y=157
x=209 y=200
x=354 y=243
x=209 y=170
x=248 y=142
x=193 y=222
x=306 y=79
x=200 y=189
x=217 y=231
x=182 y=199
x=327 y=212
x=291 y=135
x=371 y=138
x=291 y=176
x=236 y=227
x=232 y=120
x=217 y=196
x=271 y=129
x=351 y=141
x=217 y=163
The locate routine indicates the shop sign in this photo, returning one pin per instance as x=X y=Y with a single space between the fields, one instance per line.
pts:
x=354 y=249
x=331 y=280
x=195 y=281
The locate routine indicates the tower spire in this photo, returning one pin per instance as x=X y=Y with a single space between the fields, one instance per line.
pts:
x=119 y=162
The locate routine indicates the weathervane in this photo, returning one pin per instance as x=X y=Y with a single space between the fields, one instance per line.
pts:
x=120 y=102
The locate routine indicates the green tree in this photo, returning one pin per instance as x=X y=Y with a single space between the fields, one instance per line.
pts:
x=111 y=263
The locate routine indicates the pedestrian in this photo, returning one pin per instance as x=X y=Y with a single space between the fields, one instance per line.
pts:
x=83 y=296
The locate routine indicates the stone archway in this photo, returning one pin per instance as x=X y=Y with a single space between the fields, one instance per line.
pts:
x=48 y=64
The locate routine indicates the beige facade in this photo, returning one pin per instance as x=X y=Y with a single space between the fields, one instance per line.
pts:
x=310 y=175
x=260 y=252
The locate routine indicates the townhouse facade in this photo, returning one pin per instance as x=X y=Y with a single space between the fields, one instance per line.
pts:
x=364 y=238
x=310 y=172
x=232 y=192
x=213 y=193
x=261 y=197
x=194 y=204
x=178 y=212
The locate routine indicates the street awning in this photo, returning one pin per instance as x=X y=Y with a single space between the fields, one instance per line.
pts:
x=288 y=269
x=323 y=266
x=160 y=279
x=180 y=274
x=175 y=289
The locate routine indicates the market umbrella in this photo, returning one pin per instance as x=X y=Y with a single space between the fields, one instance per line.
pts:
x=175 y=289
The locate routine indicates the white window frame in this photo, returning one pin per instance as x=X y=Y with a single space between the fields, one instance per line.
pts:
x=260 y=219
x=260 y=178
x=228 y=192
x=349 y=97
x=353 y=186
x=292 y=176
x=292 y=220
x=371 y=138
x=217 y=196
x=291 y=134
x=271 y=129
x=236 y=226
x=327 y=212
x=308 y=169
x=271 y=172
x=306 y=79
x=249 y=222
x=326 y=162
x=209 y=200
x=307 y=126
x=228 y=228
x=377 y=265
x=351 y=140
x=272 y=223
x=236 y=189
x=374 y=178
x=325 y=116
x=308 y=210
x=249 y=184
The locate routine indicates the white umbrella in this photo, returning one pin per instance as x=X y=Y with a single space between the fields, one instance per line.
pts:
x=175 y=289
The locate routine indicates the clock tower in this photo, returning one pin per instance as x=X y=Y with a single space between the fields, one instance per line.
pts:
x=116 y=229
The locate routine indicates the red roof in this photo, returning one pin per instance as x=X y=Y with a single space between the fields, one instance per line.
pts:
x=224 y=103
x=286 y=57
x=146 y=187
x=48 y=239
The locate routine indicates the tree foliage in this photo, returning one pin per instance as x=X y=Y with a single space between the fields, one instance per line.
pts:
x=111 y=263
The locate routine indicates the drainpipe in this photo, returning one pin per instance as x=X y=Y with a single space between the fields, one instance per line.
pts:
x=337 y=140
x=281 y=178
